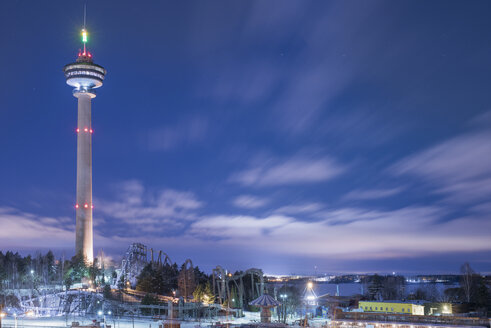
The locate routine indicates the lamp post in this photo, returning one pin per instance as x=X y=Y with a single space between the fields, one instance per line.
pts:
x=309 y=297
x=283 y=298
x=32 y=281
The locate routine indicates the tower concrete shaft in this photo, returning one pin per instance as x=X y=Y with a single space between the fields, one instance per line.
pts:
x=83 y=233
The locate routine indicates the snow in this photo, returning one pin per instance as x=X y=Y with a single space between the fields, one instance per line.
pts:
x=61 y=321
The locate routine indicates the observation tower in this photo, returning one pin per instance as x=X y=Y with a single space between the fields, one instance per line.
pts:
x=85 y=77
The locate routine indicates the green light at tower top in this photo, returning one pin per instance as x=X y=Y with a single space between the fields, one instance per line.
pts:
x=84 y=36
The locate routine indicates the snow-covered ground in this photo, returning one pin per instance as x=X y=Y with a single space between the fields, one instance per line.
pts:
x=61 y=321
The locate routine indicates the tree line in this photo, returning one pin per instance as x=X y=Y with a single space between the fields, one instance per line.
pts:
x=473 y=292
x=171 y=280
x=17 y=271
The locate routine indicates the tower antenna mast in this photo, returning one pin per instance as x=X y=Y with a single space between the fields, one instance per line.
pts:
x=84 y=31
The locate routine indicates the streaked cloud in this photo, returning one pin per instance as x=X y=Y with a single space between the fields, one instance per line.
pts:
x=291 y=171
x=153 y=211
x=482 y=120
x=249 y=201
x=22 y=230
x=344 y=216
x=302 y=208
x=227 y=226
x=459 y=167
x=185 y=133
x=405 y=232
x=367 y=194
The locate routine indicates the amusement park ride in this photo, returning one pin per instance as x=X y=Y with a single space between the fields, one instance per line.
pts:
x=222 y=280
x=136 y=258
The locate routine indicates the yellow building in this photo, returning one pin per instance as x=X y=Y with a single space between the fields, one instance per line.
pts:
x=392 y=307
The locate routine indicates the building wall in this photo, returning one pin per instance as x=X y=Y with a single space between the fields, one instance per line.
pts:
x=418 y=309
x=388 y=307
x=438 y=308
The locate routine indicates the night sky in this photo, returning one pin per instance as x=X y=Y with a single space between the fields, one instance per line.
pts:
x=351 y=136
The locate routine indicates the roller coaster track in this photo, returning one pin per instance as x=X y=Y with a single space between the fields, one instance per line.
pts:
x=222 y=279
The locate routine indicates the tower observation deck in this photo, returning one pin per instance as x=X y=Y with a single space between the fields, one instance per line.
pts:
x=85 y=76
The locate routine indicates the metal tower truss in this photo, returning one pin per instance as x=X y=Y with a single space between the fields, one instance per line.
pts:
x=132 y=265
x=186 y=281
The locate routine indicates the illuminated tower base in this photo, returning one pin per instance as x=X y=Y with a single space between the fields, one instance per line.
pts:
x=85 y=77
x=83 y=233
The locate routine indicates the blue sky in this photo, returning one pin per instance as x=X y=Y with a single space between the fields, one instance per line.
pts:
x=354 y=136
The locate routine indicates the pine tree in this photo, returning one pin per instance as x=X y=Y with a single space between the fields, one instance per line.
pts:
x=198 y=293
x=208 y=296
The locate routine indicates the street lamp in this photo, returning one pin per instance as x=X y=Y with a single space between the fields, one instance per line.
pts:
x=2 y=315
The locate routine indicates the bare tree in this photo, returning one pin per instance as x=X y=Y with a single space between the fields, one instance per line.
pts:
x=466 y=280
